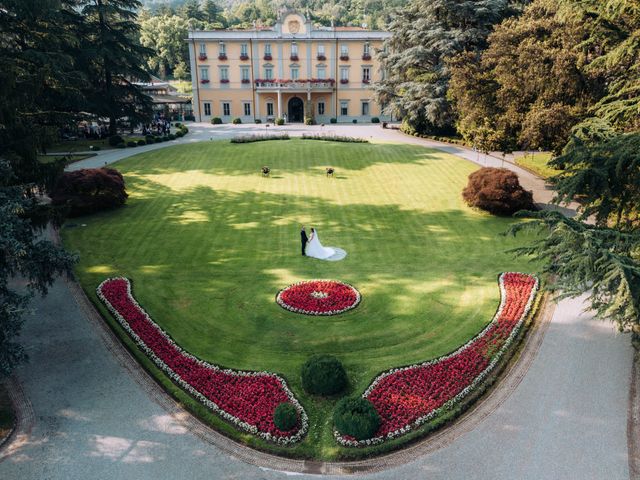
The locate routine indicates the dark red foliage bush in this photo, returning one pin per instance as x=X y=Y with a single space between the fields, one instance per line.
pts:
x=498 y=191
x=89 y=190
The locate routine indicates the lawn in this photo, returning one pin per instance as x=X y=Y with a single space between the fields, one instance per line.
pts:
x=538 y=163
x=209 y=242
x=69 y=158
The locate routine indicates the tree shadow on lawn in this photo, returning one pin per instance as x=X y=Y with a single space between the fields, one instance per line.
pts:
x=282 y=156
x=209 y=268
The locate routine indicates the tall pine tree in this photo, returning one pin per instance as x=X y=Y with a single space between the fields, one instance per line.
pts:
x=114 y=61
x=425 y=34
x=39 y=93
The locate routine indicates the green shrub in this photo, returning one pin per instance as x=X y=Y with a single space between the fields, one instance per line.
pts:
x=142 y=142
x=236 y=121
x=94 y=148
x=285 y=416
x=165 y=138
x=184 y=129
x=157 y=139
x=258 y=121
x=308 y=121
x=131 y=143
x=279 y=121
x=333 y=120
x=355 y=120
x=115 y=140
x=323 y=375
x=216 y=121
x=356 y=417
x=172 y=136
x=179 y=133
x=150 y=139
x=121 y=145
x=258 y=138
x=177 y=124
x=333 y=138
x=375 y=120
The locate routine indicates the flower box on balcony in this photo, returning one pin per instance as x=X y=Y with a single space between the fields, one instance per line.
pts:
x=366 y=80
x=294 y=58
x=322 y=58
x=344 y=58
x=268 y=57
x=344 y=80
x=222 y=56
x=244 y=57
x=366 y=56
x=246 y=80
x=224 y=80
x=204 y=80
x=202 y=57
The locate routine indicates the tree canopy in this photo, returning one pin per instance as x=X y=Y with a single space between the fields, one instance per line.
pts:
x=426 y=33
x=60 y=61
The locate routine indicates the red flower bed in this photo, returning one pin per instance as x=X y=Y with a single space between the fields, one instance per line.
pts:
x=407 y=397
x=247 y=399
x=318 y=297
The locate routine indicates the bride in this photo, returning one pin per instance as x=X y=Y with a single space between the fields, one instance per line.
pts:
x=315 y=249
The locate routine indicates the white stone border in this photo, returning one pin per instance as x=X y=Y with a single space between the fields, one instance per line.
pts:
x=290 y=308
x=304 y=419
x=476 y=382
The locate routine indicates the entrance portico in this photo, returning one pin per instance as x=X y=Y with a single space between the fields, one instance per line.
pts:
x=290 y=99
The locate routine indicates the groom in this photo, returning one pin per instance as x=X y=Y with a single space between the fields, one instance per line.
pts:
x=303 y=238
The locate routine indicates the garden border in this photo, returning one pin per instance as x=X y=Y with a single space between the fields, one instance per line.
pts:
x=511 y=376
x=195 y=393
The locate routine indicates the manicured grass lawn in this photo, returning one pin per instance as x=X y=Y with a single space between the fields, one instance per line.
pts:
x=209 y=242
x=70 y=158
x=81 y=145
x=538 y=163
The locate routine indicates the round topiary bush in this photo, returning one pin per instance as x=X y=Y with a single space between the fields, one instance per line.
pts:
x=285 y=416
x=141 y=143
x=498 y=191
x=115 y=140
x=279 y=121
x=356 y=417
x=237 y=121
x=131 y=143
x=216 y=121
x=89 y=190
x=323 y=375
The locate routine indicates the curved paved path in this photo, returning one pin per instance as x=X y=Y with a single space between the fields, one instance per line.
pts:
x=567 y=419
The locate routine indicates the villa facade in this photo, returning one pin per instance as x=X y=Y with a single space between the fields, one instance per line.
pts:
x=292 y=70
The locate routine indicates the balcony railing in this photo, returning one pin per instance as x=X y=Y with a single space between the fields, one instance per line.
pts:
x=244 y=56
x=313 y=83
x=202 y=57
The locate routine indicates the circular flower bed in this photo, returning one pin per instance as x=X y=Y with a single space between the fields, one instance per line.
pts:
x=318 y=297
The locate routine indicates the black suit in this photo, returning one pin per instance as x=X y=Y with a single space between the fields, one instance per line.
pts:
x=303 y=239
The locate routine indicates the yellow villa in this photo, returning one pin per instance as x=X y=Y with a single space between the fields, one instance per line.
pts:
x=292 y=70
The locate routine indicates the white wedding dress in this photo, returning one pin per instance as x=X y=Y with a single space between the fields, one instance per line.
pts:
x=316 y=250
